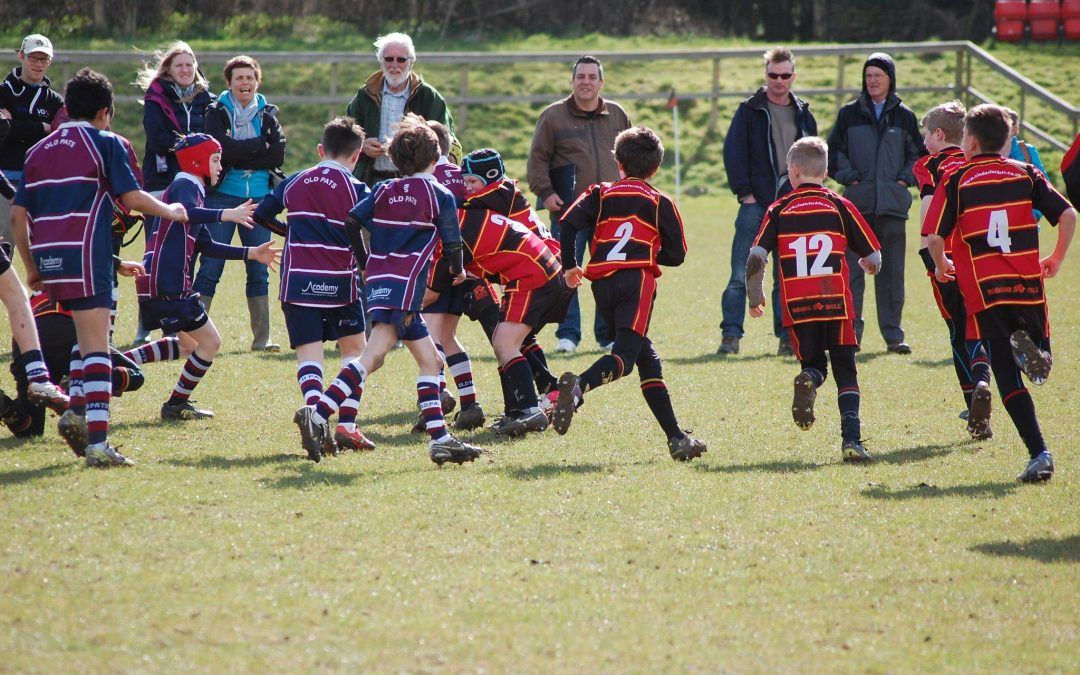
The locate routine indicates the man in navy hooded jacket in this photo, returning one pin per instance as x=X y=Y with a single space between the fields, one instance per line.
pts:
x=872 y=150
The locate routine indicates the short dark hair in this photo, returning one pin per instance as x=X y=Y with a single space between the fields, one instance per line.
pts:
x=87 y=93
x=588 y=59
x=989 y=125
x=779 y=55
x=341 y=137
x=242 y=61
x=415 y=146
x=639 y=151
x=443 y=133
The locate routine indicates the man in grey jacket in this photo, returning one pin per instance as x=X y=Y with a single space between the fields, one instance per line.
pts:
x=872 y=149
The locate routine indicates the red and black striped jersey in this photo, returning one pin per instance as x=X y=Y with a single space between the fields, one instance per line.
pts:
x=811 y=229
x=636 y=227
x=985 y=206
x=931 y=169
x=498 y=245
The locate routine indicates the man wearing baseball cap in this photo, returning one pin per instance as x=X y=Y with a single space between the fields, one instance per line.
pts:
x=27 y=107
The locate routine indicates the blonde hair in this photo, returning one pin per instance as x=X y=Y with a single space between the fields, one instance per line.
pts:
x=149 y=72
x=949 y=117
x=810 y=154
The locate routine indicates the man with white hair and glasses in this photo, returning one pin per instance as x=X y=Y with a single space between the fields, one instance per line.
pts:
x=383 y=100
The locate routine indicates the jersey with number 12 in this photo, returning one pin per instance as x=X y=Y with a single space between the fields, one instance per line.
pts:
x=985 y=206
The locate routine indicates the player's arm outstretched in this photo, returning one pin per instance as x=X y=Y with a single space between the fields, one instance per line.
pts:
x=756 y=263
x=581 y=215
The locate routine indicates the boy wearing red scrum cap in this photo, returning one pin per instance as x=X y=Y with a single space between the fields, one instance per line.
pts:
x=65 y=204
x=166 y=298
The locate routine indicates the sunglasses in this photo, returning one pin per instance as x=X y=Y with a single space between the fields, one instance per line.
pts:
x=780 y=76
x=395 y=59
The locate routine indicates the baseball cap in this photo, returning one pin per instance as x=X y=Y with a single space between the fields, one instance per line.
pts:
x=36 y=43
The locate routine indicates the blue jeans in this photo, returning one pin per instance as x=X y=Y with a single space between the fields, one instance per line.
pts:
x=571 y=327
x=210 y=269
x=733 y=301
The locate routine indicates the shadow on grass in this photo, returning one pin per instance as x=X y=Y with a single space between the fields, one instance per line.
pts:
x=543 y=471
x=403 y=418
x=1044 y=550
x=922 y=491
x=19 y=476
x=779 y=466
x=15 y=442
x=713 y=357
x=226 y=463
x=918 y=453
x=927 y=363
x=312 y=475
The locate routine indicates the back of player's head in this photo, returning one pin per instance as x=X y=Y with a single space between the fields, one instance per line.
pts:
x=193 y=154
x=989 y=125
x=811 y=155
x=443 y=134
x=415 y=146
x=779 y=55
x=341 y=137
x=949 y=117
x=87 y=93
x=485 y=163
x=590 y=60
x=639 y=151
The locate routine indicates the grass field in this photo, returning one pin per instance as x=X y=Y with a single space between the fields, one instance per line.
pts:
x=224 y=550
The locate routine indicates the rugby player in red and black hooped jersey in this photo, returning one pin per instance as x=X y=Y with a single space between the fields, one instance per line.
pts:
x=509 y=252
x=636 y=228
x=985 y=207
x=943 y=128
x=812 y=229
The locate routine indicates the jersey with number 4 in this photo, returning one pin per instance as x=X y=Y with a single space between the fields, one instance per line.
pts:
x=985 y=206
x=811 y=229
x=636 y=227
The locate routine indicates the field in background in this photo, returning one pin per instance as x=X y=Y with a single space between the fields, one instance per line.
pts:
x=225 y=550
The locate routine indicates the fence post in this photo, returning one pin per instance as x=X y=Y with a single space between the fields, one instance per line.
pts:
x=840 y=82
x=967 y=78
x=333 y=86
x=462 y=120
x=714 y=108
x=958 y=79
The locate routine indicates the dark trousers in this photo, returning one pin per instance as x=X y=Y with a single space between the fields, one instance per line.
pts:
x=889 y=282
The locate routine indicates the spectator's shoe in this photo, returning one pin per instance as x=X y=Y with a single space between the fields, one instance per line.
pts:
x=728 y=345
x=470 y=417
x=785 y=349
x=899 y=347
x=978 y=421
x=103 y=455
x=354 y=439
x=48 y=395
x=313 y=436
x=185 y=410
x=802 y=403
x=1033 y=361
x=853 y=451
x=1040 y=468
x=565 y=346
x=72 y=428
x=686 y=448
x=521 y=423
x=567 y=402
x=452 y=450
x=447 y=401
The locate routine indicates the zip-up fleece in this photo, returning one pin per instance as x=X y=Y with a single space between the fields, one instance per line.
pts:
x=165 y=120
x=30 y=106
x=246 y=164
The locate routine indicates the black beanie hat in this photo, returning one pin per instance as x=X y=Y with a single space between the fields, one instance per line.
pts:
x=485 y=163
x=884 y=62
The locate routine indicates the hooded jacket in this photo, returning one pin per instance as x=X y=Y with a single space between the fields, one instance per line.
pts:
x=246 y=164
x=31 y=106
x=749 y=153
x=424 y=100
x=876 y=152
x=166 y=119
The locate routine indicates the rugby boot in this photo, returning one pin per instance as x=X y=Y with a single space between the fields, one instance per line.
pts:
x=184 y=410
x=567 y=402
x=72 y=428
x=521 y=423
x=48 y=395
x=686 y=448
x=312 y=435
x=103 y=455
x=978 y=421
x=353 y=439
x=470 y=417
x=853 y=451
x=802 y=403
x=1040 y=468
x=452 y=450
x=1033 y=361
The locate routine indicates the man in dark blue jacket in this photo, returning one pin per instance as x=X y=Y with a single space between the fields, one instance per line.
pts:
x=755 y=158
x=872 y=152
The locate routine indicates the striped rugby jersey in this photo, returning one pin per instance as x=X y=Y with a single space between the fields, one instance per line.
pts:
x=636 y=227
x=171 y=247
x=930 y=170
x=406 y=216
x=318 y=268
x=500 y=243
x=811 y=228
x=985 y=206
x=67 y=188
x=449 y=176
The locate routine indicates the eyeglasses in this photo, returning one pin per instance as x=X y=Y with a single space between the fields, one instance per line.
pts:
x=395 y=59
x=39 y=59
x=780 y=76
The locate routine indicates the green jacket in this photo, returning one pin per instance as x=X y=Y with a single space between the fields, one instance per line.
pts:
x=424 y=100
